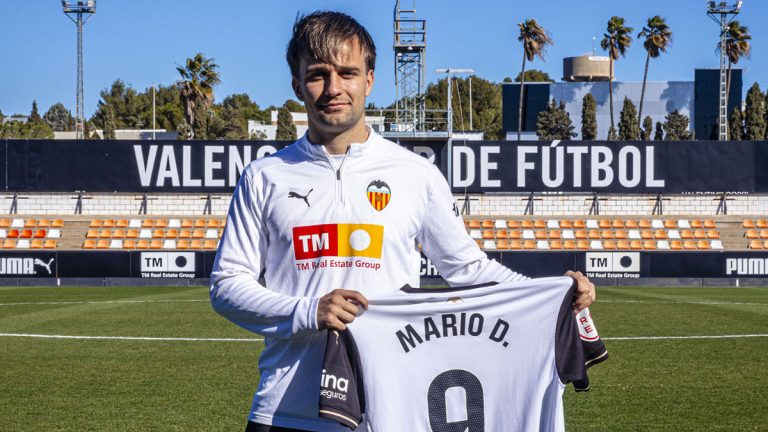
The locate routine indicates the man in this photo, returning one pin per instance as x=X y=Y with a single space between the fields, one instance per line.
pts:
x=333 y=218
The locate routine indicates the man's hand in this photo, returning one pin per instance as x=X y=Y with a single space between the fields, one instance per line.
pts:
x=338 y=308
x=585 y=290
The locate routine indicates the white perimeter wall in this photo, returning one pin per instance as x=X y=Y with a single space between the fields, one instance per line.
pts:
x=488 y=204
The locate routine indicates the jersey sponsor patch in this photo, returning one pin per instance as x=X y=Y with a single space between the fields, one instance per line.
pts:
x=338 y=240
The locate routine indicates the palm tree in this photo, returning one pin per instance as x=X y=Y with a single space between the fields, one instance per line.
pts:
x=615 y=41
x=198 y=78
x=534 y=39
x=737 y=45
x=657 y=39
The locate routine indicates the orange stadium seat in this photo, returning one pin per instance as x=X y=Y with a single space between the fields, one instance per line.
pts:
x=210 y=244
x=529 y=244
x=215 y=223
x=172 y=233
x=710 y=224
x=156 y=244
x=472 y=223
x=556 y=244
x=763 y=234
x=198 y=234
x=660 y=234
x=582 y=244
x=748 y=223
x=649 y=245
x=486 y=224
x=200 y=223
x=95 y=223
x=622 y=244
x=566 y=223
x=702 y=244
x=516 y=235
x=713 y=234
x=761 y=223
x=579 y=224
x=756 y=244
x=636 y=244
x=593 y=234
x=607 y=234
x=502 y=244
x=527 y=224
x=105 y=233
x=89 y=244
x=488 y=234
x=102 y=244
x=540 y=234
x=30 y=223
x=513 y=224
x=25 y=234
x=609 y=244
x=57 y=223
x=644 y=224
x=129 y=244
x=49 y=244
x=617 y=223
x=158 y=233
x=185 y=233
x=631 y=224
x=620 y=235
x=147 y=223
x=13 y=233
x=142 y=244
x=118 y=234
x=36 y=244
x=696 y=224
x=196 y=244
x=182 y=244
x=646 y=234
x=92 y=233
x=539 y=224
x=555 y=234
x=41 y=233
x=580 y=234
x=161 y=223
x=9 y=244
x=751 y=234
x=5 y=223
x=43 y=223
x=686 y=234
x=569 y=245
x=604 y=224
x=122 y=223
x=515 y=244
x=689 y=244
x=699 y=234
x=132 y=233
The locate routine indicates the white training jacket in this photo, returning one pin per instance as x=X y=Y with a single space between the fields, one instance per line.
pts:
x=312 y=225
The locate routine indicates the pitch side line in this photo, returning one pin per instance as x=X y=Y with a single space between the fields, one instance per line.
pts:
x=173 y=339
x=685 y=337
x=131 y=338
x=683 y=302
x=99 y=302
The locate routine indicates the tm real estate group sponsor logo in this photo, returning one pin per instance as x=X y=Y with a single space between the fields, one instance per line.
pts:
x=613 y=264
x=168 y=264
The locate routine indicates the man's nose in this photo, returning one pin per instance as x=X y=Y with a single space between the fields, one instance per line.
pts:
x=333 y=84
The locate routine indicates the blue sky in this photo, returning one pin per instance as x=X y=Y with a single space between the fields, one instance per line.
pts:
x=141 y=42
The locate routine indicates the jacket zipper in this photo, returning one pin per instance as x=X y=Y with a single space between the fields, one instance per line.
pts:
x=339 y=183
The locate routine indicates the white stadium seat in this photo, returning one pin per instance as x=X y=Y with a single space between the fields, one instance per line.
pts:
x=476 y=234
x=145 y=233
x=211 y=234
x=489 y=245
x=17 y=223
x=116 y=244
x=662 y=245
x=542 y=244
x=657 y=224
x=528 y=234
x=500 y=224
x=169 y=244
x=3 y=233
x=174 y=223
x=717 y=244
x=634 y=234
x=683 y=223
x=568 y=234
x=134 y=223
x=22 y=244
x=54 y=233
x=553 y=224
x=596 y=244
x=592 y=224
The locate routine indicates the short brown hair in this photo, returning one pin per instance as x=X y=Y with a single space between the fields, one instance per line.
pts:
x=319 y=34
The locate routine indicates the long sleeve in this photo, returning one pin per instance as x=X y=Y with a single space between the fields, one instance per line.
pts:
x=446 y=242
x=235 y=291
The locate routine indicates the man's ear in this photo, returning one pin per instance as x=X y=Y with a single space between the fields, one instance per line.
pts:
x=369 y=83
x=296 y=88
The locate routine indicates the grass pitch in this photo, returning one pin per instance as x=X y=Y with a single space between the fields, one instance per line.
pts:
x=138 y=383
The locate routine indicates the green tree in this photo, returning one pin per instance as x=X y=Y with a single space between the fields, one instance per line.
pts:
x=534 y=75
x=737 y=45
x=754 y=114
x=486 y=105
x=286 y=130
x=676 y=127
x=2 y=117
x=629 y=127
x=198 y=78
x=657 y=38
x=588 y=117
x=34 y=115
x=534 y=39
x=109 y=125
x=659 y=134
x=58 y=117
x=612 y=135
x=554 y=123
x=616 y=41
x=736 y=126
x=645 y=134
x=294 y=106
x=122 y=103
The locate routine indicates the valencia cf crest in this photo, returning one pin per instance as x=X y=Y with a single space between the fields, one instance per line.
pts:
x=379 y=194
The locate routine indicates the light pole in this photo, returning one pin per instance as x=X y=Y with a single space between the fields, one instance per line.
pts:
x=719 y=12
x=79 y=12
x=450 y=72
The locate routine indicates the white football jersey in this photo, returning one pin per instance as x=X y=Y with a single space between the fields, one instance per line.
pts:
x=487 y=358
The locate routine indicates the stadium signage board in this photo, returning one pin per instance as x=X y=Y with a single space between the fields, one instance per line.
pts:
x=42 y=264
x=612 y=264
x=167 y=264
x=475 y=166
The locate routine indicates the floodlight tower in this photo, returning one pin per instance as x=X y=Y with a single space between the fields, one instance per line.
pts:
x=79 y=12
x=410 y=46
x=719 y=12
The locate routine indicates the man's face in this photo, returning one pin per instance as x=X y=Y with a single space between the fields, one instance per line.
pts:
x=334 y=94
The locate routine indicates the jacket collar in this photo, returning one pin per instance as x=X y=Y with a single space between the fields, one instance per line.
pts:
x=315 y=151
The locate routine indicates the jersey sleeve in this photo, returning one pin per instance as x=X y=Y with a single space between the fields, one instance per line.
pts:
x=342 y=396
x=446 y=242
x=577 y=344
x=235 y=290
